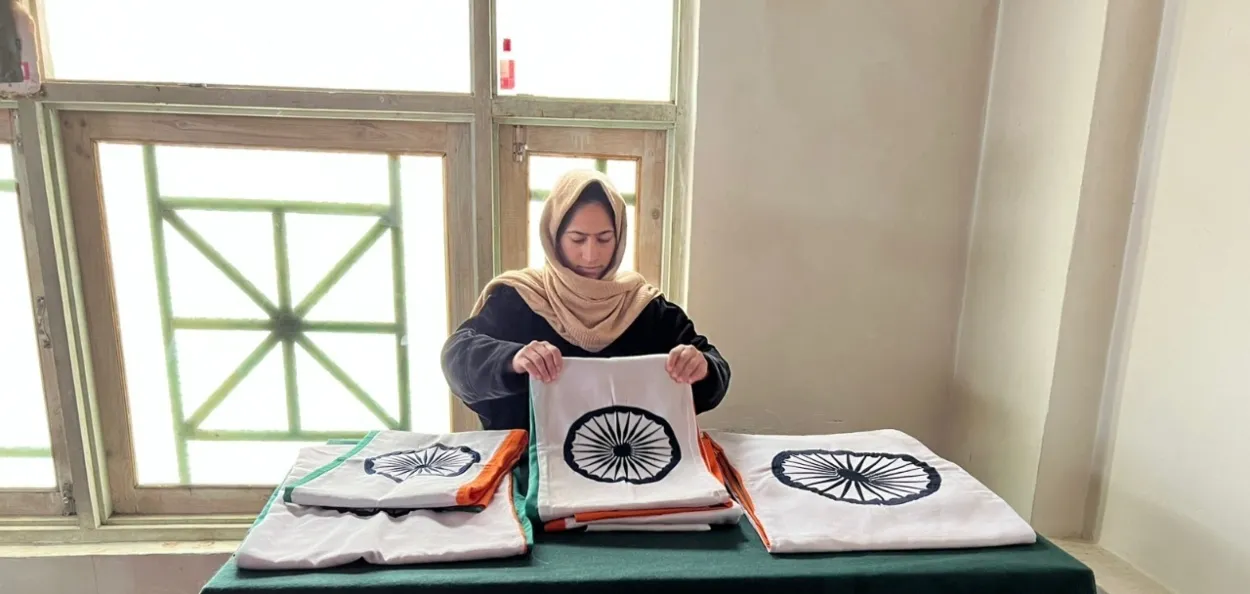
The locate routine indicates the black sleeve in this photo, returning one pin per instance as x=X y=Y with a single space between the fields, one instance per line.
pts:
x=477 y=358
x=673 y=324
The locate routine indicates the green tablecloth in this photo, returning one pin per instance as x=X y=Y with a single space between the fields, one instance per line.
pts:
x=724 y=560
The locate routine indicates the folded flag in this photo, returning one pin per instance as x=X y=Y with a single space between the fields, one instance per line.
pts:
x=874 y=490
x=290 y=536
x=401 y=470
x=616 y=438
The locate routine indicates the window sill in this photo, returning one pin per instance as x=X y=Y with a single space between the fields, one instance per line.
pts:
x=134 y=532
x=215 y=547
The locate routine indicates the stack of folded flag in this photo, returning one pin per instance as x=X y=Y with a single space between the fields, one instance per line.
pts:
x=394 y=498
x=615 y=447
x=866 y=491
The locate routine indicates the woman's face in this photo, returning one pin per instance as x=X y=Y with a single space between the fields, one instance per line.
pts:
x=589 y=241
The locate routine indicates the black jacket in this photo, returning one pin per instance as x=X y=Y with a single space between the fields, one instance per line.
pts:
x=477 y=357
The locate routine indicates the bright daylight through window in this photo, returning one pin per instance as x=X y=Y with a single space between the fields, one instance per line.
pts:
x=281 y=275
x=392 y=45
x=559 y=48
x=204 y=279
x=590 y=49
x=25 y=449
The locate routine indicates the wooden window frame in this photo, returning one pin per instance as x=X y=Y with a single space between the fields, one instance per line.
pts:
x=81 y=134
x=54 y=501
x=646 y=148
x=81 y=439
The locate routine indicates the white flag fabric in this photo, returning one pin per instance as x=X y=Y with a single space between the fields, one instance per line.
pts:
x=406 y=470
x=290 y=536
x=873 y=490
x=615 y=435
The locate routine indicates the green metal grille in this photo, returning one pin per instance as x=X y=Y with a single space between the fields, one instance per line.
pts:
x=21 y=452
x=286 y=323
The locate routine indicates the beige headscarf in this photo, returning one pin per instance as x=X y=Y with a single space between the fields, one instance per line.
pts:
x=587 y=312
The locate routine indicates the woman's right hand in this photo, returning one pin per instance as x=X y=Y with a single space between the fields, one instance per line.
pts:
x=539 y=359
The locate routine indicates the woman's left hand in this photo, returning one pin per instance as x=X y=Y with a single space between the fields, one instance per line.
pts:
x=686 y=364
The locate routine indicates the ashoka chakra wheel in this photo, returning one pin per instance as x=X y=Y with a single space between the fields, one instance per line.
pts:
x=622 y=444
x=864 y=478
x=435 y=460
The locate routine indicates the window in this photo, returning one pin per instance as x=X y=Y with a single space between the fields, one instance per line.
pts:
x=619 y=49
x=396 y=45
x=278 y=290
x=195 y=280
x=29 y=482
x=633 y=159
x=608 y=49
x=25 y=447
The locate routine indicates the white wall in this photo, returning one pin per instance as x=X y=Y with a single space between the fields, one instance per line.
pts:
x=1066 y=109
x=1176 y=500
x=1039 y=112
x=835 y=162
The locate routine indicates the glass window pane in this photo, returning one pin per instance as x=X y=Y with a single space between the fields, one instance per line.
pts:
x=27 y=469
x=216 y=462
x=25 y=449
x=543 y=173
x=194 y=171
x=282 y=280
x=401 y=45
x=606 y=49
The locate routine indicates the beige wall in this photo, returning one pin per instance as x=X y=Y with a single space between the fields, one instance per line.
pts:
x=1176 y=500
x=1066 y=109
x=1039 y=111
x=1112 y=155
x=835 y=163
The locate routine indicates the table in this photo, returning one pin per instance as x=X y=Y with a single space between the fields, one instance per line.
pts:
x=723 y=560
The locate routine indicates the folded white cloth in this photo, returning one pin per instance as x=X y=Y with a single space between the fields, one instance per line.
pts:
x=674 y=520
x=615 y=435
x=875 y=490
x=648 y=528
x=405 y=470
x=291 y=536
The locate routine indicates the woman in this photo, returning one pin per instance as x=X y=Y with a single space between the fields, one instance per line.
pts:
x=526 y=322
